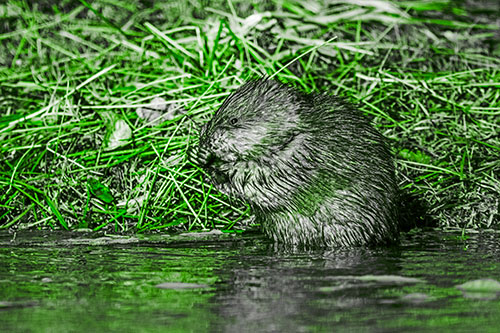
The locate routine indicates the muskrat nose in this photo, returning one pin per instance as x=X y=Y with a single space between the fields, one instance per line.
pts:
x=206 y=159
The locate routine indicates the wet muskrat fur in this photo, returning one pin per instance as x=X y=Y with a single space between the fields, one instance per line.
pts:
x=313 y=169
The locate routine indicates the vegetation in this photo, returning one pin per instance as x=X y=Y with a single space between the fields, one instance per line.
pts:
x=101 y=101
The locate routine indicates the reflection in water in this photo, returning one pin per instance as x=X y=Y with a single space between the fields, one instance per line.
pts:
x=303 y=291
x=67 y=282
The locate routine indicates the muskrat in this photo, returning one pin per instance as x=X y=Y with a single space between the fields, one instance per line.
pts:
x=313 y=169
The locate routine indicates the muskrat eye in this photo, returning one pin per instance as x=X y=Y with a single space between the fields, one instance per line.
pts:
x=233 y=121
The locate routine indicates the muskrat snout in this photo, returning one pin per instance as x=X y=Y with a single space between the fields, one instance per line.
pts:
x=208 y=160
x=211 y=163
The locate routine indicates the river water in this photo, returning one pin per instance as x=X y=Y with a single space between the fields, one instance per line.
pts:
x=76 y=282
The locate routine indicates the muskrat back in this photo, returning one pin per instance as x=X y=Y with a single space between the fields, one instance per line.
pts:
x=313 y=169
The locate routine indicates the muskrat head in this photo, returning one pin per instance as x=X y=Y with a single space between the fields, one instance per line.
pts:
x=253 y=124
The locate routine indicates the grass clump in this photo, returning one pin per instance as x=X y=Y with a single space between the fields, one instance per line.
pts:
x=101 y=101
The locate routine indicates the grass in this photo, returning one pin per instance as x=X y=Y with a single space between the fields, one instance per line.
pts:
x=101 y=101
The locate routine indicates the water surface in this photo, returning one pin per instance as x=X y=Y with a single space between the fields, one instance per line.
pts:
x=68 y=282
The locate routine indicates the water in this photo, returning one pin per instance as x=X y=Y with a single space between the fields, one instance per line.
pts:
x=72 y=282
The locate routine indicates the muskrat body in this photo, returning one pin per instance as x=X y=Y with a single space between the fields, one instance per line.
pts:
x=313 y=169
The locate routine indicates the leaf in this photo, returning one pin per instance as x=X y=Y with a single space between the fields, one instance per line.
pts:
x=389 y=279
x=100 y=191
x=157 y=111
x=483 y=289
x=180 y=285
x=480 y=285
x=415 y=156
x=118 y=132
